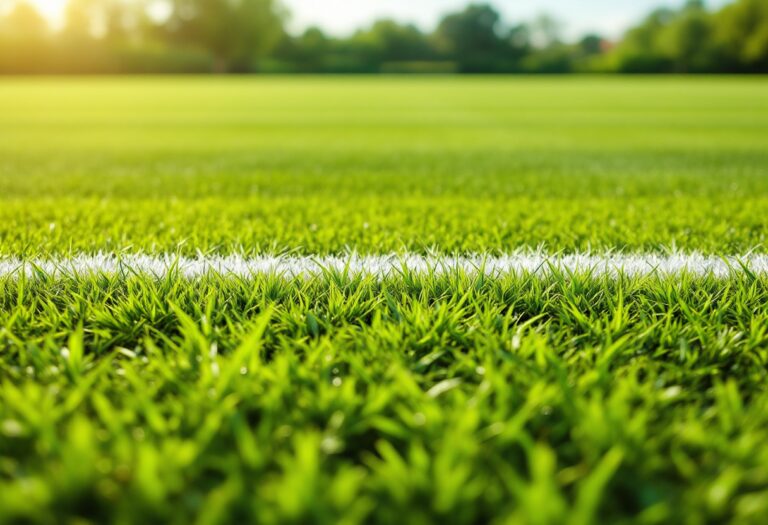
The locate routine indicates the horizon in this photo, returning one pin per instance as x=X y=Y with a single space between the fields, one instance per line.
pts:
x=608 y=18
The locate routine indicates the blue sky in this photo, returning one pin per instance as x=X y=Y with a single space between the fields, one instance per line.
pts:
x=608 y=17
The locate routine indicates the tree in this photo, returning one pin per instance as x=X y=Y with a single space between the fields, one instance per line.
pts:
x=307 y=52
x=687 y=39
x=741 y=31
x=393 y=42
x=519 y=40
x=590 y=45
x=79 y=19
x=237 y=33
x=24 y=22
x=694 y=40
x=545 y=31
x=24 y=40
x=639 y=51
x=472 y=38
x=125 y=20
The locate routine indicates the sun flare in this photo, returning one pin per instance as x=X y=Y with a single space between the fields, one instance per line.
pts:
x=52 y=10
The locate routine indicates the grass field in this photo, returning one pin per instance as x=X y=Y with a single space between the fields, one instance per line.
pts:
x=408 y=392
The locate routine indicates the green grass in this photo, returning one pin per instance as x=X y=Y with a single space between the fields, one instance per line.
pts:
x=453 y=164
x=416 y=398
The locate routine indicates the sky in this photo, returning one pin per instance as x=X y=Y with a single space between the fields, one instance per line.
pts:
x=608 y=17
x=342 y=17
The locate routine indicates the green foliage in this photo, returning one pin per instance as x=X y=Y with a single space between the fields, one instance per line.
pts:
x=742 y=31
x=237 y=33
x=23 y=28
x=241 y=36
x=472 y=38
x=394 y=42
x=692 y=39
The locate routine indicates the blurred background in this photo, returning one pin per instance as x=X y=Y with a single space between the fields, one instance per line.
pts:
x=372 y=36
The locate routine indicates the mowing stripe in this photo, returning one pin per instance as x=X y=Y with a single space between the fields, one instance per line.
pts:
x=610 y=264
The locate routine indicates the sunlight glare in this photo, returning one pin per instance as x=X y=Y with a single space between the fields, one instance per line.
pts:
x=52 y=10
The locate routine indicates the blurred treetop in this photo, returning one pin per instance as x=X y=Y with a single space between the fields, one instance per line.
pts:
x=245 y=36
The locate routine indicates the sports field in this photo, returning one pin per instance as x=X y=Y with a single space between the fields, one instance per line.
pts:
x=377 y=300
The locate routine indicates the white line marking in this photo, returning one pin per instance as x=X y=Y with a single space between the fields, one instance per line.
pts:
x=611 y=264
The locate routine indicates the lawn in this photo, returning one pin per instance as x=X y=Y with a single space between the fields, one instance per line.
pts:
x=437 y=393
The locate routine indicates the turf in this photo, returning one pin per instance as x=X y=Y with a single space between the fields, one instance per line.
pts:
x=321 y=164
x=418 y=397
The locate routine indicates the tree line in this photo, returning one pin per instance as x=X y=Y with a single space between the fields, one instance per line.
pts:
x=246 y=36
